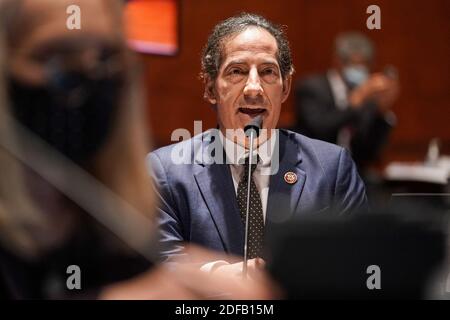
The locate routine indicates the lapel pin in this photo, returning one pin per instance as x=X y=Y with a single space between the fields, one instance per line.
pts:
x=290 y=177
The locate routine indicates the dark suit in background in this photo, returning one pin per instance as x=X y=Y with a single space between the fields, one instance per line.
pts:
x=319 y=117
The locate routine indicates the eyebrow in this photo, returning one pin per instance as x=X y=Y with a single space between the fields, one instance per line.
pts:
x=240 y=61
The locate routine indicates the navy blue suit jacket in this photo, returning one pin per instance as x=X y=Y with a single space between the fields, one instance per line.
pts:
x=198 y=200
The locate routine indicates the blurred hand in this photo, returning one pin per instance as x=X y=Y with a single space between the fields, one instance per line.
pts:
x=185 y=280
x=153 y=285
x=387 y=94
x=254 y=266
x=380 y=88
x=226 y=281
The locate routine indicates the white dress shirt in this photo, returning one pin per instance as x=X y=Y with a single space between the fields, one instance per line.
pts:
x=236 y=155
x=340 y=94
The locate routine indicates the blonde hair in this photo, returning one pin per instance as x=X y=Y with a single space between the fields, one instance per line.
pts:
x=119 y=165
x=18 y=215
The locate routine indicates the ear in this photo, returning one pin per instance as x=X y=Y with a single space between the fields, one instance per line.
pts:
x=286 y=87
x=210 y=92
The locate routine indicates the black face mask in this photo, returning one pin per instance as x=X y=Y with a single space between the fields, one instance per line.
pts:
x=72 y=112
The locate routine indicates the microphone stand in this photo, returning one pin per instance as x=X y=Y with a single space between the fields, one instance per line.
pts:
x=252 y=131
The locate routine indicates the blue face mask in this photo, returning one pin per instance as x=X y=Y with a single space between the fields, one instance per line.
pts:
x=355 y=75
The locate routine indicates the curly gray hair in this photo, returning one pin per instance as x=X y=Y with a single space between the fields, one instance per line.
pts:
x=212 y=52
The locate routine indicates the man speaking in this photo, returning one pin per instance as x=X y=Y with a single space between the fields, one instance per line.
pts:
x=247 y=69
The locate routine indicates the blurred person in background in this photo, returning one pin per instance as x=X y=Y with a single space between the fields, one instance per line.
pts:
x=74 y=189
x=350 y=105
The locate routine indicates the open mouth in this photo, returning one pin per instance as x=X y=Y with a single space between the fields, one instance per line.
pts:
x=252 y=111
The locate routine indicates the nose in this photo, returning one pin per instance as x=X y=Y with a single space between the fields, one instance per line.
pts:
x=253 y=86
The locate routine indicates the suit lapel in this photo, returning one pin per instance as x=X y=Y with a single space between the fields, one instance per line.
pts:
x=283 y=197
x=217 y=188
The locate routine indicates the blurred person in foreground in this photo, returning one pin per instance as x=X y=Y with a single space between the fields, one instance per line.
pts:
x=74 y=188
x=247 y=71
x=350 y=105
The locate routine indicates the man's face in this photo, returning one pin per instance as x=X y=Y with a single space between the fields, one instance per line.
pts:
x=249 y=81
x=44 y=35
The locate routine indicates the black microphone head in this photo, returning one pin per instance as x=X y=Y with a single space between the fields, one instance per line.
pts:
x=255 y=125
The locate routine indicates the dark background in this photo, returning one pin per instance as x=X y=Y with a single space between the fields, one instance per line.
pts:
x=414 y=37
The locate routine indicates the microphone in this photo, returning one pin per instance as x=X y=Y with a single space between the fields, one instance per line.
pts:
x=254 y=125
x=252 y=130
